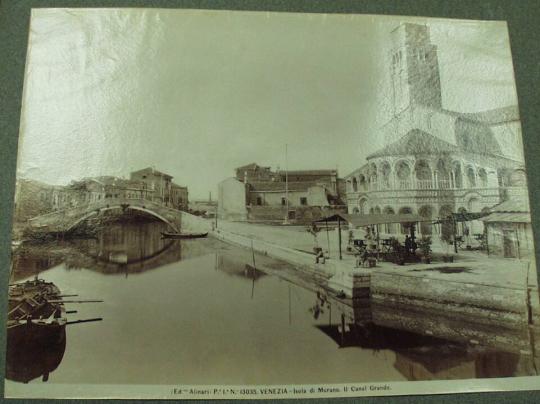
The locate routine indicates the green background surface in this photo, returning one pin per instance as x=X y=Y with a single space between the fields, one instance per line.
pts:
x=523 y=17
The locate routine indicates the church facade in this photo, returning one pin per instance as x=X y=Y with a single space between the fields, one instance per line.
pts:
x=436 y=161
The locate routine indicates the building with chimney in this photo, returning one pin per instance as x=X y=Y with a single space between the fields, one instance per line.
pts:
x=259 y=194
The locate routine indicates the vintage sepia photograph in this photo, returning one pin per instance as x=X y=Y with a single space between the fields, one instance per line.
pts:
x=241 y=205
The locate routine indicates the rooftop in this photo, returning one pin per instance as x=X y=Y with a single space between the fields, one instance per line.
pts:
x=514 y=205
x=490 y=117
x=415 y=142
x=152 y=171
x=251 y=166
x=309 y=172
x=279 y=186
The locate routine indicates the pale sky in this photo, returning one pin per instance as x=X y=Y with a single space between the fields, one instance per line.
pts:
x=198 y=93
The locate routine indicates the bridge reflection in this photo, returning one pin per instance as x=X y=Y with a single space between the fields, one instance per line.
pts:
x=125 y=248
x=120 y=248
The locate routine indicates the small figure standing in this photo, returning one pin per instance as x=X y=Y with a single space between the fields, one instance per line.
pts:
x=408 y=243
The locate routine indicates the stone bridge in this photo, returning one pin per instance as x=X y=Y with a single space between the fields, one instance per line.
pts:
x=63 y=221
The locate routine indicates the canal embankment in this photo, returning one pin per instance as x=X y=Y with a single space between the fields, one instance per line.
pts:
x=476 y=299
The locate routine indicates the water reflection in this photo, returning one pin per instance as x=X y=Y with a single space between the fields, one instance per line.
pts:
x=30 y=359
x=455 y=362
x=120 y=248
x=228 y=262
x=228 y=316
x=425 y=358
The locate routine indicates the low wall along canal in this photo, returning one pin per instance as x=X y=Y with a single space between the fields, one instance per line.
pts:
x=463 y=301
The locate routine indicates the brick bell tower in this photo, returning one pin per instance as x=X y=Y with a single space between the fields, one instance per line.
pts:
x=414 y=69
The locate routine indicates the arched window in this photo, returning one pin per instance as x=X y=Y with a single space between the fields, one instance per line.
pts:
x=471 y=177
x=354 y=185
x=403 y=174
x=443 y=174
x=373 y=176
x=518 y=178
x=426 y=228
x=458 y=175
x=424 y=176
x=389 y=228
x=385 y=170
x=363 y=183
x=404 y=211
x=362 y=207
x=482 y=177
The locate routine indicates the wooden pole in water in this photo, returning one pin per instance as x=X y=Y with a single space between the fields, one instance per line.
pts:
x=330 y=316
x=253 y=275
x=253 y=253
x=342 y=329
x=339 y=236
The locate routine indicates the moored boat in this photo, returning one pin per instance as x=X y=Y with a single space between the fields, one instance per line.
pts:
x=183 y=235
x=36 y=329
x=35 y=312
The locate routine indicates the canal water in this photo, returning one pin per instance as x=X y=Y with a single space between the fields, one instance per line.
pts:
x=198 y=312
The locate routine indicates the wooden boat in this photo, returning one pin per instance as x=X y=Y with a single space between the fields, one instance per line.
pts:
x=35 y=359
x=35 y=312
x=36 y=329
x=183 y=235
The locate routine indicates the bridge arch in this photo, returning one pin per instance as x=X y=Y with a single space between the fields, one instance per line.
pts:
x=95 y=211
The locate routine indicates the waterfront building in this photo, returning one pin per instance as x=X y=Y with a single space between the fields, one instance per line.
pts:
x=179 y=197
x=435 y=162
x=34 y=198
x=155 y=181
x=232 y=200
x=95 y=189
x=254 y=172
x=159 y=188
x=260 y=194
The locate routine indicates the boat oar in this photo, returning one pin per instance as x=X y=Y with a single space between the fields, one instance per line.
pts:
x=74 y=301
x=88 y=320
x=66 y=295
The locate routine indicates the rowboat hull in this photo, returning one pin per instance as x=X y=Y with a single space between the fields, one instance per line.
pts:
x=36 y=330
x=34 y=352
x=183 y=235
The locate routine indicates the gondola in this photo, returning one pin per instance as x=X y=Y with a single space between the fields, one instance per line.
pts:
x=183 y=235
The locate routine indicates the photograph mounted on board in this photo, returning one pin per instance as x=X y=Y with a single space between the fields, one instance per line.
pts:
x=229 y=204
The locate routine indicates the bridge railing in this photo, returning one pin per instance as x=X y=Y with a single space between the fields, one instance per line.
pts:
x=81 y=209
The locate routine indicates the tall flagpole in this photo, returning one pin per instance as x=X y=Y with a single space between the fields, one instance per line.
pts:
x=286 y=221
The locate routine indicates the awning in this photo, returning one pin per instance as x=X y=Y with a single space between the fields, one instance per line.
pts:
x=508 y=217
x=462 y=217
x=373 y=219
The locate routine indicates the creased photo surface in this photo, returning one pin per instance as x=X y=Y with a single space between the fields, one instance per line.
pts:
x=245 y=205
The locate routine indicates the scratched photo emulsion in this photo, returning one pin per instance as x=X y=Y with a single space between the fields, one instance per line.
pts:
x=223 y=204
